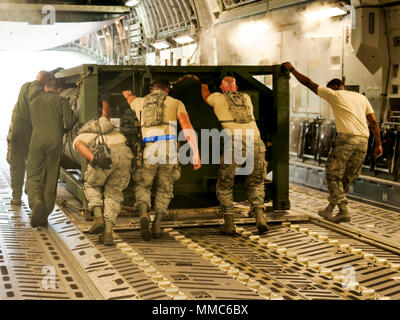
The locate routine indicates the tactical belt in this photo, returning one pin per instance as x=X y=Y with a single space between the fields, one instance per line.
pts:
x=159 y=138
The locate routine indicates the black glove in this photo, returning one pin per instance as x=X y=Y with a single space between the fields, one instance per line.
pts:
x=104 y=163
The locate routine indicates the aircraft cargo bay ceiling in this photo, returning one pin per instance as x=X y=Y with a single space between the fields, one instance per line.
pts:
x=123 y=31
x=92 y=26
x=39 y=25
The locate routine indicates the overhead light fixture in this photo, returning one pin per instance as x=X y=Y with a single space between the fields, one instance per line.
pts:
x=324 y=13
x=132 y=3
x=160 y=45
x=184 y=39
x=254 y=27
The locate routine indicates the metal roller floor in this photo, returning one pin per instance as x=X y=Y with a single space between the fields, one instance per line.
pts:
x=378 y=223
x=302 y=257
x=33 y=265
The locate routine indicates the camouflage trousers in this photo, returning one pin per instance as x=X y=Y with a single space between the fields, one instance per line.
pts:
x=104 y=188
x=344 y=165
x=254 y=181
x=164 y=176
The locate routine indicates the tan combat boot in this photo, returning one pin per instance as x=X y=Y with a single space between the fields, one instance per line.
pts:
x=327 y=212
x=15 y=202
x=229 y=226
x=260 y=220
x=106 y=237
x=156 y=227
x=145 y=231
x=98 y=225
x=342 y=216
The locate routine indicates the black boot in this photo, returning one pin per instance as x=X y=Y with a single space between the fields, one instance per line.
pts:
x=145 y=231
x=39 y=215
x=342 y=216
x=327 y=212
x=156 y=227
x=260 y=220
x=229 y=226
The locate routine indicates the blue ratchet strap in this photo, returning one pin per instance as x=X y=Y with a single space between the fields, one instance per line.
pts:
x=159 y=138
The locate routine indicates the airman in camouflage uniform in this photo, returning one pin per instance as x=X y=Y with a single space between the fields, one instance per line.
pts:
x=104 y=180
x=235 y=112
x=158 y=114
x=353 y=114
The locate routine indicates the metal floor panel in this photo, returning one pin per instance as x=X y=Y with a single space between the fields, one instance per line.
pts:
x=32 y=265
x=300 y=258
x=134 y=276
x=268 y=268
x=330 y=256
x=283 y=275
x=109 y=281
x=196 y=277
x=30 y=259
x=374 y=221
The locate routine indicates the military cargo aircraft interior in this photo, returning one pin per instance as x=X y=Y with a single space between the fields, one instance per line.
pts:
x=200 y=150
